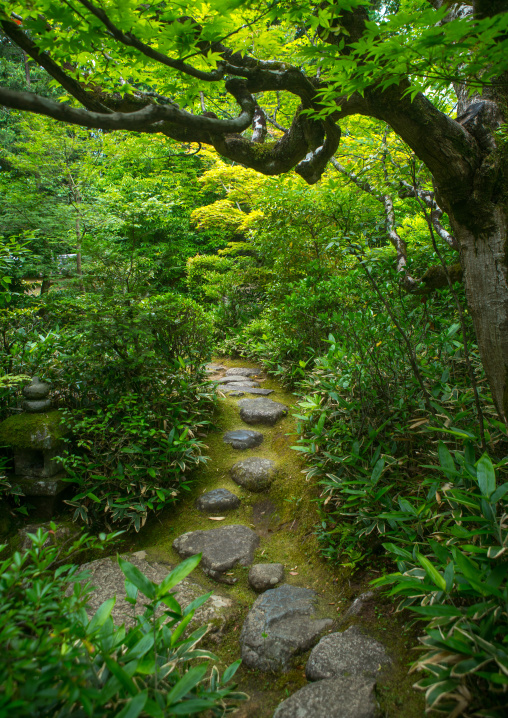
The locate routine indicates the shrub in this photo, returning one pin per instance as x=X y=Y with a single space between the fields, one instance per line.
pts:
x=127 y=372
x=62 y=663
x=455 y=576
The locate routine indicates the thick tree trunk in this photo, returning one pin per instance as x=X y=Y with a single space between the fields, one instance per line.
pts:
x=484 y=258
x=480 y=225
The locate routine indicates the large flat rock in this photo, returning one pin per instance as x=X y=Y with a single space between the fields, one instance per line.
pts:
x=261 y=411
x=255 y=474
x=243 y=438
x=350 y=653
x=109 y=580
x=351 y=697
x=280 y=624
x=222 y=548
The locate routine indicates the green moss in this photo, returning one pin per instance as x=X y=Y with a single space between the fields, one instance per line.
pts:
x=32 y=431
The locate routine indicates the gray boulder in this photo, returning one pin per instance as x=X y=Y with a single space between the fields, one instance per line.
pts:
x=217 y=500
x=261 y=411
x=350 y=653
x=351 y=697
x=265 y=575
x=108 y=580
x=254 y=473
x=280 y=624
x=243 y=438
x=222 y=549
x=242 y=371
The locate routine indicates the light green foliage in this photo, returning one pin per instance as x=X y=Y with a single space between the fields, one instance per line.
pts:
x=60 y=660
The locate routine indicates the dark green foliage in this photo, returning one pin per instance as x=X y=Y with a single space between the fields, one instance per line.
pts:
x=128 y=371
x=62 y=663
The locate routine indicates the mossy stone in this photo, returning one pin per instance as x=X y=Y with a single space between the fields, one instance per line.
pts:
x=32 y=431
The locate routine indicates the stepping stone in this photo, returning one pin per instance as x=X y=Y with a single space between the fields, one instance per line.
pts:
x=108 y=580
x=280 y=624
x=222 y=549
x=239 y=385
x=213 y=368
x=217 y=500
x=254 y=473
x=235 y=380
x=265 y=575
x=242 y=371
x=236 y=392
x=350 y=653
x=261 y=411
x=263 y=392
x=243 y=438
x=351 y=697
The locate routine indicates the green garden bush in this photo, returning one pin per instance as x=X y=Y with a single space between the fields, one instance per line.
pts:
x=59 y=662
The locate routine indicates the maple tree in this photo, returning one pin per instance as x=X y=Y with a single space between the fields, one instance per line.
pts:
x=155 y=68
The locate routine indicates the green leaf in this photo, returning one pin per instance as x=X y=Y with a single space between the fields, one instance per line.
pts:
x=230 y=671
x=486 y=476
x=178 y=574
x=398 y=551
x=121 y=676
x=377 y=471
x=499 y=493
x=101 y=615
x=432 y=573
x=188 y=681
x=134 y=706
x=140 y=648
x=446 y=460
x=136 y=577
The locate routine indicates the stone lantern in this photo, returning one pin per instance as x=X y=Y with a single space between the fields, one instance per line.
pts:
x=35 y=437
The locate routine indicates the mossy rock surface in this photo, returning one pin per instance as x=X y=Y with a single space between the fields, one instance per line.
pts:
x=32 y=431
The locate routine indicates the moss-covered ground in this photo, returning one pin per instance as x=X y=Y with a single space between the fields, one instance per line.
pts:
x=284 y=517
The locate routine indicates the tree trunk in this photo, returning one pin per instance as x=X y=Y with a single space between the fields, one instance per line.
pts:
x=484 y=258
x=480 y=224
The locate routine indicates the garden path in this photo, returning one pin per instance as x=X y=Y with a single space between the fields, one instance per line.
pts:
x=276 y=602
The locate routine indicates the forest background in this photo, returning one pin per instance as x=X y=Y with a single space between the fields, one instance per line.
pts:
x=128 y=259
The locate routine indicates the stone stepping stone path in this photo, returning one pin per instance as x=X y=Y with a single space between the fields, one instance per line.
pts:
x=285 y=620
x=242 y=390
x=351 y=697
x=243 y=439
x=261 y=411
x=217 y=501
x=238 y=380
x=254 y=473
x=222 y=549
x=347 y=653
x=281 y=623
x=242 y=371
